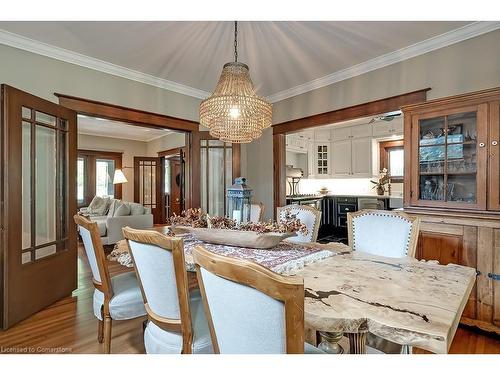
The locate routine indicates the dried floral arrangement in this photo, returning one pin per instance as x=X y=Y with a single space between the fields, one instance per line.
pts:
x=192 y=217
x=221 y=222
x=196 y=218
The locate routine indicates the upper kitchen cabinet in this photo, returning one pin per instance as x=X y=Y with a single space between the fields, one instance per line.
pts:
x=453 y=151
x=352 y=157
x=296 y=143
x=357 y=131
x=322 y=135
x=388 y=128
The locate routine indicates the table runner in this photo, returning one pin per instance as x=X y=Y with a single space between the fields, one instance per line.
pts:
x=286 y=258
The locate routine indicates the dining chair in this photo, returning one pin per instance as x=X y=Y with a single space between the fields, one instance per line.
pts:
x=308 y=216
x=176 y=319
x=386 y=233
x=115 y=298
x=250 y=309
x=257 y=212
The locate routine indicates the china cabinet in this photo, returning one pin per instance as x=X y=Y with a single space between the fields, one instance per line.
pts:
x=452 y=183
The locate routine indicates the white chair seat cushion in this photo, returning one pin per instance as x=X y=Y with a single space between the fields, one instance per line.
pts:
x=127 y=302
x=311 y=349
x=159 y=341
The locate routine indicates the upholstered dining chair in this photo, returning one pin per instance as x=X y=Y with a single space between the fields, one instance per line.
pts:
x=176 y=319
x=386 y=233
x=308 y=216
x=250 y=310
x=115 y=298
x=256 y=212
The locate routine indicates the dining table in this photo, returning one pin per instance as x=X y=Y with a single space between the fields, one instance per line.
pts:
x=403 y=300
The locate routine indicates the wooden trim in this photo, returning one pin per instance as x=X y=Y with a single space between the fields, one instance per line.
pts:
x=90 y=157
x=415 y=227
x=349 y=113
x=494 y=157
x=289 y=290
x=118 y=113
x=279 y=171
x=385 y=147
x=171 y=152
x=176 y=246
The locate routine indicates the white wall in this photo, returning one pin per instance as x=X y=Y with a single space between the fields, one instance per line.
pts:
x=468 y=66
x=129 y=149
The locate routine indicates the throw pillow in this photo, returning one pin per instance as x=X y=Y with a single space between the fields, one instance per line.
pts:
x=113 y=206
x=122 y=210
x=136 y=209
x=98 y=206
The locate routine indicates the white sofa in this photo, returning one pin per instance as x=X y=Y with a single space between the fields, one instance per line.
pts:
x=110 y=226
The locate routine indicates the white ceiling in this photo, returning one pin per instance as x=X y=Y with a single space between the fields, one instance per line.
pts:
x=115 y=129
x=281 y=55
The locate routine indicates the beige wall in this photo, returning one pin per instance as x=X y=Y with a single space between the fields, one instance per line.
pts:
x=129 y=149
x=171 y=140
x=463 y=67
x=42 y=76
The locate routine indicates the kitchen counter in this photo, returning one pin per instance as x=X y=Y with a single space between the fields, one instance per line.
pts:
x=363 y=196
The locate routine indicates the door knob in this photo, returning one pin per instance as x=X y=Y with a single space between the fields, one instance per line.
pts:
x=494 y=143
x=481 y=144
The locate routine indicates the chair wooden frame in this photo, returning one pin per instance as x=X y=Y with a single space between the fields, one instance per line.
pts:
x=104 y=286
x=317 y=215
x=289 y=290
x=415 y=227
x=176 y=246
x=262 y=208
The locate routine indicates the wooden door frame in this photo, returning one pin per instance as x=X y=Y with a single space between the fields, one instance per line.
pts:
x=142 y=118
x=59 y=284
x=96 y=154
x=280 y=130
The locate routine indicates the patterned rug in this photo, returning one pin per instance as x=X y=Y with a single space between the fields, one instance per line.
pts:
x=286 y=258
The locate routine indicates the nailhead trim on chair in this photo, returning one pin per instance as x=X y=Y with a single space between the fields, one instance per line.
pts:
x=386 y=215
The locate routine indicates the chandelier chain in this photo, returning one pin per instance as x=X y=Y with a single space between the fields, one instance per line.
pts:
x=236 y=41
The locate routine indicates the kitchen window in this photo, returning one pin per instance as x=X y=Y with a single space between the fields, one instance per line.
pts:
x=392 y=158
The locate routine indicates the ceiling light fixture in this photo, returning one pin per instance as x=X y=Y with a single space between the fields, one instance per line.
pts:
x=234 y=113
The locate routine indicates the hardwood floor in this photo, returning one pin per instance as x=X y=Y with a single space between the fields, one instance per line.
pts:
x=69 y=326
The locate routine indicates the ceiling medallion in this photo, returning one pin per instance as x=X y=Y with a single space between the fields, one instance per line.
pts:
x=234 y=113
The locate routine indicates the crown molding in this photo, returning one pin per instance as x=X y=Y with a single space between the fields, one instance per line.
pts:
x=454 y=36
x=34 y=46
x=451 y=37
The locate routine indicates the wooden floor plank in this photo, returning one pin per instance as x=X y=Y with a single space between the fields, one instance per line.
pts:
x=69 y=326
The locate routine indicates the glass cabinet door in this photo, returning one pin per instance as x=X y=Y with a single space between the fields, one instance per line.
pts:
x=451 y=155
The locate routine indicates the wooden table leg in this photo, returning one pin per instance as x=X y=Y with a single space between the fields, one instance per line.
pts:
x=357 y=342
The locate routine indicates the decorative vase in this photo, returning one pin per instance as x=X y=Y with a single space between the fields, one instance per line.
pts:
x=380 y=190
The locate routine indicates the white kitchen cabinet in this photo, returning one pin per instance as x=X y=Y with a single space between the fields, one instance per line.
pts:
x=322 y=152
x=322 y=135
x=341 y=158
x=296 y=143
x=361 y=157
x=340 y=134
x=351 y=132
x=388 y=128
x=361 y=131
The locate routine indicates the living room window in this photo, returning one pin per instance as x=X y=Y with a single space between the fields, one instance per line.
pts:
x=95 y=171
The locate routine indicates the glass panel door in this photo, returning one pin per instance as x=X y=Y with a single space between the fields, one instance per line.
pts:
x=39 y=255
x=216 y=175
x=448 y=150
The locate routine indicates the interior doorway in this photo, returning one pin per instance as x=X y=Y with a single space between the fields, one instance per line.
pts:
x=174 y=172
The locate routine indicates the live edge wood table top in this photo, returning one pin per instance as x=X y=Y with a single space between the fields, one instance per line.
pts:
x=403 y=300
x=400 y=299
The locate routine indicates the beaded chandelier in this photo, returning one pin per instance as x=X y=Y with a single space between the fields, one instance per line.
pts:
x=234 y=113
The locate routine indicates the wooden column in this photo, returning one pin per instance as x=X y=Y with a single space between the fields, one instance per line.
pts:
x=193 y=153
x=279 y=161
